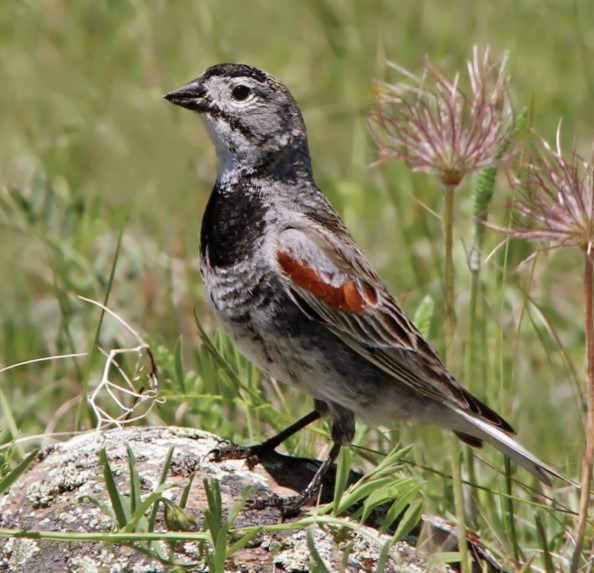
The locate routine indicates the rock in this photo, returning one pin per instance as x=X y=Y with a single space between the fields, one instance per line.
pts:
x=56 y=495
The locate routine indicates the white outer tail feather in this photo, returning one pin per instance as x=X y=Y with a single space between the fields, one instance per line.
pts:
x=508 y=446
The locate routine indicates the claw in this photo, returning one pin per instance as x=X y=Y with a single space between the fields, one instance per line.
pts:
x=231 y=451
x=288 y=506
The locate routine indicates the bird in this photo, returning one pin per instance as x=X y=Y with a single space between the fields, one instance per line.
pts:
x=297 y=295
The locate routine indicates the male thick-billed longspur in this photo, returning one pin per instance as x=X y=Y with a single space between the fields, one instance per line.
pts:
x=296 y=294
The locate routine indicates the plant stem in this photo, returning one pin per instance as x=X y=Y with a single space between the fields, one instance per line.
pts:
x=470 y=363
x=473 y=329
x=450 y=321
x=586 y=481
x=450 y=318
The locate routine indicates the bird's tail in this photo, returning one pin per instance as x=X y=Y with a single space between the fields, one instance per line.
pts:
x=473 y=428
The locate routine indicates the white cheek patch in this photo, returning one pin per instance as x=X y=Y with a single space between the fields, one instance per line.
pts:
x=227 y=142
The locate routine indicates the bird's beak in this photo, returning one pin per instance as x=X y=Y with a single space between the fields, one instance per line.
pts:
x=191 y=96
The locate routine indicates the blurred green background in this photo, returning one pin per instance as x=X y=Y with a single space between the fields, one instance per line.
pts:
x=89 y=149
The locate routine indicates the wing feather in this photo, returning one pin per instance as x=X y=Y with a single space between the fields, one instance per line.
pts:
x=330 y=279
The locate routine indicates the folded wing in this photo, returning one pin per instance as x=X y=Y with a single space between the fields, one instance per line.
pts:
x=330 y=279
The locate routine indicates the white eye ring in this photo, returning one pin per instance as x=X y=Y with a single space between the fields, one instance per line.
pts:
x=241 y=92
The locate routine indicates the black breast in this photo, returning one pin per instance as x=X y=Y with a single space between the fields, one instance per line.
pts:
x=232 y=225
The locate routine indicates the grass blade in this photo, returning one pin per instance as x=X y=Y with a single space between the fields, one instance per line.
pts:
x=343 y=472
x=179 y=365
x=410 y=518
x=317 y=565
x=164 y=473
x=135 y=499
x=9 y=479
x=114 y=495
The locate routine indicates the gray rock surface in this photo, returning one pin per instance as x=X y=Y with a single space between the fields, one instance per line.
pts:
x=54 y=496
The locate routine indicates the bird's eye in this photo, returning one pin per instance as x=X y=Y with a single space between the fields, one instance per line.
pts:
x=240 y=92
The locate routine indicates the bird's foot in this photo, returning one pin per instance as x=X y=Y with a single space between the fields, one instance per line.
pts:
x=288 y=506
x=291 y=506
x=231 y=451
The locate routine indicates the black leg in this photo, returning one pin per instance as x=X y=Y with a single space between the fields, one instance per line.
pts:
x=343 y=432
x=290 y=506
x=275 y=441
x=251 y=453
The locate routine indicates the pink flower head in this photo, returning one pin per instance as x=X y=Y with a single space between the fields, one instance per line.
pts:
x=437 y=127
x=556 y=199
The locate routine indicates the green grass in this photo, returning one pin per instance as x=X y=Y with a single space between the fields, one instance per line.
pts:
x=89 y=150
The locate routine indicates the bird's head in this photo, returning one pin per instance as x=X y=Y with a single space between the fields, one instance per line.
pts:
x=250 y=116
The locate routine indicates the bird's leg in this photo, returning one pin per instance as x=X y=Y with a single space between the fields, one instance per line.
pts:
x=343 y=432
x=275 y=441
x=290 y=506
x=253 y=453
